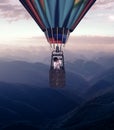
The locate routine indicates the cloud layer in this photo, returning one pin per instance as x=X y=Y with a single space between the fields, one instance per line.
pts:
x=37 y=49
x=104 y=3
x=13 y=10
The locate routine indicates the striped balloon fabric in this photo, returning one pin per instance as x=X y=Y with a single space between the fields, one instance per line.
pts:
x=57 y=18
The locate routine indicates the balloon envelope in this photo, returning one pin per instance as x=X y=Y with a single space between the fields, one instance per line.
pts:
x=57 y=18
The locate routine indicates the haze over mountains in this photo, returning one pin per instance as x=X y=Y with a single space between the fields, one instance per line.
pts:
x=28 y=102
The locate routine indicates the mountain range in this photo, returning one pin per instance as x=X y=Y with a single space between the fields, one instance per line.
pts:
x=28 y=102
x=95 y=114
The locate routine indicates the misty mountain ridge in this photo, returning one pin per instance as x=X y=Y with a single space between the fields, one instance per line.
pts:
x=101 y=84
x=86 y=68
x=98 y=110
x=31 y=74
x=34 y=105
x=26 y=101
x=24 y=72
x=106 y=61
x=107 y=75
x=95 y=114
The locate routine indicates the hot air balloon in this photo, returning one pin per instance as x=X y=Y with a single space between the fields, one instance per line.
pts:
x=57 y=19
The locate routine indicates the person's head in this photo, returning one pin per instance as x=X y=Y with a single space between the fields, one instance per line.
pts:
x=55 y=59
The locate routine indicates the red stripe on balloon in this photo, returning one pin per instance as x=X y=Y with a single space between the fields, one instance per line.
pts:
x=35 y=13
x=53 y=41
x=42 y=3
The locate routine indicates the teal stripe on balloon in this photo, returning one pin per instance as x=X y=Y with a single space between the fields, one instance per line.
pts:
x=65 y=7
x=75 y=13
x=41 y=12
x=50 y=12
x=61 y=12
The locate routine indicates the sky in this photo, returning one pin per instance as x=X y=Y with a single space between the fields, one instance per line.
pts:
x=19 y=30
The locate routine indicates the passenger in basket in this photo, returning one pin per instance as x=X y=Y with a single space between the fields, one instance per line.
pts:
x=57 y=63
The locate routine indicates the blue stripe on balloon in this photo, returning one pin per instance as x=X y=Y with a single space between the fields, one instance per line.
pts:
x=41 y=12
x=57 y=14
